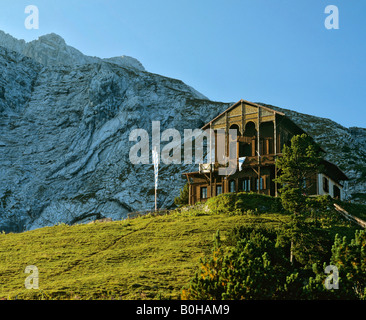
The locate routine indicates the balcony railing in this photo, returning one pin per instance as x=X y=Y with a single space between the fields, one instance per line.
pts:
x=249 y=161
x=246 y=139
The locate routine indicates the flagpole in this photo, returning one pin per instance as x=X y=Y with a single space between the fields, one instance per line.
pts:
x=156 y=203
x=155 y=157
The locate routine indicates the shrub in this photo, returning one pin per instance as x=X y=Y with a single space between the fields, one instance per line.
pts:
x=248 y=271
x=244 y=202
x=223 y=203
x=257 y=268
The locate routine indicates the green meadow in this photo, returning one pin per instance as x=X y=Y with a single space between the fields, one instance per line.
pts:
x=149 y=257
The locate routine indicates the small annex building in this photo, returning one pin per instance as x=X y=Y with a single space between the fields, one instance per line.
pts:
x=261 y=134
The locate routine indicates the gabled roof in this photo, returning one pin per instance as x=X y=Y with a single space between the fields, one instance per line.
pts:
x=333 y=171
x=283 y=117
x=238 y=103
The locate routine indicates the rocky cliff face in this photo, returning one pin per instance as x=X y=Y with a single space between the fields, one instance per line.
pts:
x=65 y=121
x=64 y=134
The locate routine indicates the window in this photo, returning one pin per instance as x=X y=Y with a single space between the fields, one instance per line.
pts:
x=245 y=184
x=261 y=184
x=325 y=184
x=336 y=192
x=203 y=192
x=218 y=190
x=232 y=186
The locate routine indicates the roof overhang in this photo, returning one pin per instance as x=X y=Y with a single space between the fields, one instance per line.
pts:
x=207 y=125
x=333 y=171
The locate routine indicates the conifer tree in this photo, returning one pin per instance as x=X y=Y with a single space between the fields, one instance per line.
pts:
x=299 y=163
x=182 y=199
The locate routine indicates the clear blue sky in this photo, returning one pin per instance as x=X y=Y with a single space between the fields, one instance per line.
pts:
x=272 y=51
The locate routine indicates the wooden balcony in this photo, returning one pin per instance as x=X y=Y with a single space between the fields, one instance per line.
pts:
x=250 y=161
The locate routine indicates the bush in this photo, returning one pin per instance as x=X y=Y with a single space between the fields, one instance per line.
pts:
x=223 y=203
x=248 y=271
x=350 y=259
x=257 y=267
x=243 y=202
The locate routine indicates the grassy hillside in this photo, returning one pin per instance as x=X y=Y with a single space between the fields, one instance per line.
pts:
x=149 y=257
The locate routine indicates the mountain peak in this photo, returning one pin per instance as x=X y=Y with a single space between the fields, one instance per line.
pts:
x=51 y=49
x=51 y=37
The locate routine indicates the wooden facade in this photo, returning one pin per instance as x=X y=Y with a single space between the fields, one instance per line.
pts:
x=261 y=134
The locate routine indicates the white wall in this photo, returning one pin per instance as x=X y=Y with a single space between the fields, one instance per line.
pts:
x=331 y=184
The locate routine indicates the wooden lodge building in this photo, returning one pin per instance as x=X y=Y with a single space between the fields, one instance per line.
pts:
x=261 y=134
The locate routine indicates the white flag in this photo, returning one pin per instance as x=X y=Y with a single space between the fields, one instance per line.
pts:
x=155 y=157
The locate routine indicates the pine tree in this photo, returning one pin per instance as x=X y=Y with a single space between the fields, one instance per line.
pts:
x=299 y=162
